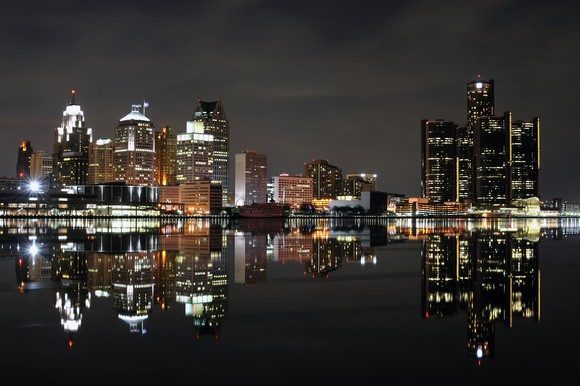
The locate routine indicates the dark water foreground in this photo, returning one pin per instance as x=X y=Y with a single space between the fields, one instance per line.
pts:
x=274 y=302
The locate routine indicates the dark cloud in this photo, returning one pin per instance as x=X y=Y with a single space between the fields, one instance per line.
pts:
x=348 y=81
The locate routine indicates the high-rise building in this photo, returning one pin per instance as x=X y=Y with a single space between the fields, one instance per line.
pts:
x=134 y=154
x=40 y=166
x=23 y=162
x=525 y=142
x=211 y=118
x=293 y=190
x=194 y=154
x=327 y=179
x=251 y=178
x=355 y=184
x=480 y=102
x=101 y=162
x=439 y=179
x=493 y=160
x=165 y=157
x=71 y=146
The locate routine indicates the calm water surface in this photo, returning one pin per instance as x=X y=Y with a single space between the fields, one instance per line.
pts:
x=309 y=302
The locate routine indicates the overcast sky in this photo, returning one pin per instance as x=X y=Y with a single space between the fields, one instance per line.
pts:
x=348 y=81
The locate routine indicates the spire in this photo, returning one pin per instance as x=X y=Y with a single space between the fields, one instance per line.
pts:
x=72 y=98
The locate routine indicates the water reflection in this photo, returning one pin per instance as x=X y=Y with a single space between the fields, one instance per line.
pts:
x=489 y=271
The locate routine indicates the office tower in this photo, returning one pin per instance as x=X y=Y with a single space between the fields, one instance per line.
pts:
x=165 y=271
x=525 y=142
x=134 y=154
x=165 y=157
x=439 y=180
x=194 y=153
x=293 y=190
x=211 y=118
x=250 y=257
x=480 y=102
x=23 y=161
x=71 y=147
x=493 y=160
x=101 y=162
x=355 y=184
x=326 y=179
x=40 y=166
x=251 y=178
x=439 y=285
x=133 y=285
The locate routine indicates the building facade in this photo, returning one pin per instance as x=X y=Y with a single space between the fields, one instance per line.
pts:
x=210 y=118
x=326 y=179
x=355 y=184
x=525 y=143
x=134 y=150
x=493 y=159
x=439 y=177
x=101 y=162
x=293 y=190
x=480 y=102
x=194 y=154
x=23 y=161
x=165 y=156
x=251 y=178
x=71 y=146
x=40 y=166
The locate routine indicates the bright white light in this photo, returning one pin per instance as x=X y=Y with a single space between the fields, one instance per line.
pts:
x=34 y=186
x=33 y=250
x=479 y=85
x=479 y=352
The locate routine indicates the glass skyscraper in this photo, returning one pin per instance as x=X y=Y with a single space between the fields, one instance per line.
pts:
x=439 y=180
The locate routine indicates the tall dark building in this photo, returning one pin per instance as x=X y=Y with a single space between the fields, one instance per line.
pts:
x=71 y=147
x=439 y=177
x=327 y=179
x=212 y=117
x=480 y=102
x=166 y=157
x=525 y=145
x=493 y=160
x=23 y=162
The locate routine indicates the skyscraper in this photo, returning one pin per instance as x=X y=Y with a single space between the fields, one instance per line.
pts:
x=480 y=102
x=251 y=178
x=492 y=147
x=40 y=166
x=71 y=146
x=327 y=178
x=211 y=118
x=195 y=160
x=165 y=157
x=439 y=180
x=23 y=162
x=134 y=154
x=101 y=162
x=525 y=142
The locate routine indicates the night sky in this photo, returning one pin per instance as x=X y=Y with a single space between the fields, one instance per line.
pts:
x=344 y=80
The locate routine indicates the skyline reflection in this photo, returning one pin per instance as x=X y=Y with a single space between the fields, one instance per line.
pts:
x=489 y=271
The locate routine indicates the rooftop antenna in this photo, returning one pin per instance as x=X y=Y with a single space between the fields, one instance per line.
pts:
x=145 y=105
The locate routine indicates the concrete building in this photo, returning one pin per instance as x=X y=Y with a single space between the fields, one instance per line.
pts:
x=356 y=183
x=251 y=178
x=101 y=162
x=202 y=197
x=23 y=162
x=293 y=190
x=194 y=154
x=326 y=179
x=40 y=166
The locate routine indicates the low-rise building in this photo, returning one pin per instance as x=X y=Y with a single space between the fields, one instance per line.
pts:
x=292 y=190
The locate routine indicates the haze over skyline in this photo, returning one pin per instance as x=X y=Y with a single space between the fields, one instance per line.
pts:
x=298 y=80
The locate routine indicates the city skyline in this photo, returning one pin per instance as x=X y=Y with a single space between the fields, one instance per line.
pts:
x=319 y=109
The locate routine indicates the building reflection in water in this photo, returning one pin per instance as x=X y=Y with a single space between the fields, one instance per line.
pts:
x=489 y=272
x=492 y=276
